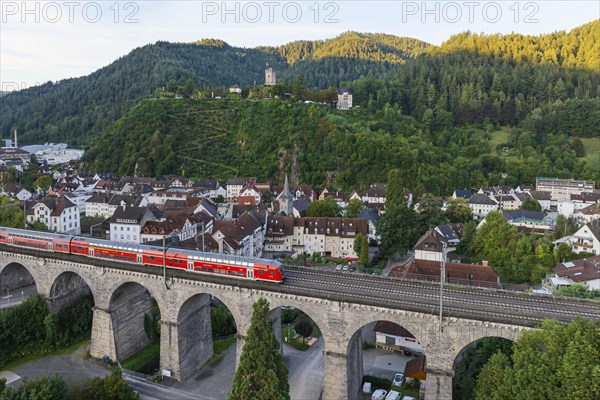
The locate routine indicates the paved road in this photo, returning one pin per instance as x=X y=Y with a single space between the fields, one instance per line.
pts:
x=72 y=367
x=13 y=298
x=305 y=371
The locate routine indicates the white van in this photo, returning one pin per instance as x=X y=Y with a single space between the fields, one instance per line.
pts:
x=393 y=395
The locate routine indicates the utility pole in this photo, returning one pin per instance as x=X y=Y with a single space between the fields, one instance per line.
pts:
x=442 y=279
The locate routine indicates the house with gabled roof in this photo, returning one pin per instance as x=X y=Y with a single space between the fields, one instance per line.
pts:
x=59 y=214
x=235 y=185
x=250 y=191
x=279 y=234
x=16 y=191
x=528 y=221
x=544 y=198
x=127 y=222
x=481 y=205
x=587 y=238
x=462 y=193
x=430 y=244
x=243 y=236
x=588 y=214
x=584 y=270
x=372 y=216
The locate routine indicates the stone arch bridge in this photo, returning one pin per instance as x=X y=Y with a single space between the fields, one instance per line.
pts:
x=122 y=295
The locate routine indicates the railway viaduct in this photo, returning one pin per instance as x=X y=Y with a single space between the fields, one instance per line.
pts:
x=123 y=294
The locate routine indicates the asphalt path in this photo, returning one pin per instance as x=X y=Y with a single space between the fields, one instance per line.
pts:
x=305 y=371
x=72 y=367
x=12 y=298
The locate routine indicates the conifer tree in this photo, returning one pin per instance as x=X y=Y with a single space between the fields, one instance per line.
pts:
x=262 y=374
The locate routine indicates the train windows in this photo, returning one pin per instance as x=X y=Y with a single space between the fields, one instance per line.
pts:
x=272 y=273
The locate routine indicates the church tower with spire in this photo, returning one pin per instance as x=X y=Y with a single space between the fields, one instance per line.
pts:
x=286 y=199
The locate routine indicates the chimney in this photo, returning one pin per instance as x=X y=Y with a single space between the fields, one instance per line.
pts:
x=484 y=263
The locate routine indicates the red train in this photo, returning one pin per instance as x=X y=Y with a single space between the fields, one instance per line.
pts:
x=196 y=261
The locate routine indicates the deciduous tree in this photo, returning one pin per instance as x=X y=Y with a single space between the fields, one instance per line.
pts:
x=458 y=210
x=324 y=208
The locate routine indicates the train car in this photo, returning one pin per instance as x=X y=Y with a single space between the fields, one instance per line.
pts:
x=238 y=267
x=196 y=261
x=61 y=243
x=214 y=263
x=80 y=245
x=31 y=239
x=106 y=249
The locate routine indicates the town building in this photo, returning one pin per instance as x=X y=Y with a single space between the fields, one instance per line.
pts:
x=331 y=237
x=528 y=221
x=127 y=222
x=584 y=270
x=587 y=238
x=59 y=214
x=344 y=101
x=16 y=191
x=563 y=188
x=481 y=205
x=53 y=154
x=243 y=236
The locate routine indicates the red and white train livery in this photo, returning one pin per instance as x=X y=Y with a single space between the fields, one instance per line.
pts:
x=143 y=254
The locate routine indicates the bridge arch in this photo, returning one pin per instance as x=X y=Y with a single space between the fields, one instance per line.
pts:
x=67 y=288
x=304 y=363
x=471 y=358
x=17 y=280
x=382 y=348
x=134 y=313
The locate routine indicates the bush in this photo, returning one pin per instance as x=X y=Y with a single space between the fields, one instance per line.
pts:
x=377 y=383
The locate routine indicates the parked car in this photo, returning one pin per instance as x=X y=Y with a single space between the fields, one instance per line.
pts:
x=408 y=398
x=345 y=268
x=379 y=394
x=393 y=395
x=338 y=267
x=398 y=380
x=308 y=264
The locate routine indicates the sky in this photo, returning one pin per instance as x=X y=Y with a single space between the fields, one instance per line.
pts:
x=44 y=41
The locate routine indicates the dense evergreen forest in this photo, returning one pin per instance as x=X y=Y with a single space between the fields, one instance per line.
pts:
x=458 y=115
x=73 y=110
x=317 y=145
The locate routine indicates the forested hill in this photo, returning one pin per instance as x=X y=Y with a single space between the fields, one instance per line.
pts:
x=317 y=145
x=542 y=82
x=360 y=46
x=576 y=49
x=73 y=110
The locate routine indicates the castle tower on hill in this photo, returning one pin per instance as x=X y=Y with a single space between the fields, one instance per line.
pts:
x=270 y=77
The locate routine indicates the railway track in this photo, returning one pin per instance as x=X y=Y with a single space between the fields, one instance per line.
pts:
x=462 y=302
x=457 y=301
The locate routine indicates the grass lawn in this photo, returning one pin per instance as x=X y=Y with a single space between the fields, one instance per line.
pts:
x=146 y=361
x=287 y=331
x=592 y=151
x=219 y=347
x=498 y=137
x=42 y=354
